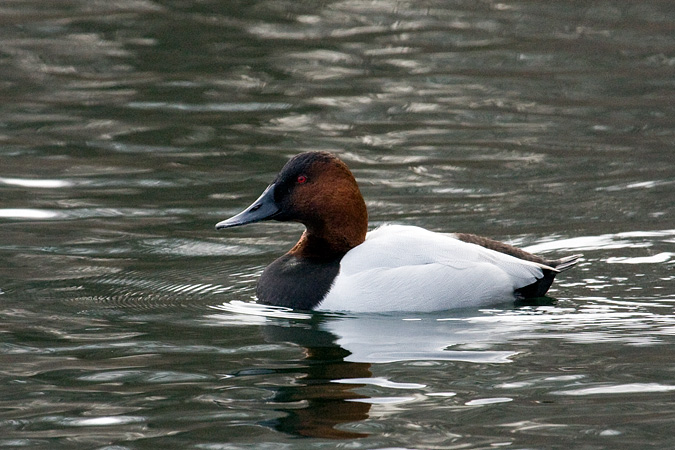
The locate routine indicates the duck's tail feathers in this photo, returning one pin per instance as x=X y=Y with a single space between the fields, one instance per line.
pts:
x=550 y=270
x=562 y=264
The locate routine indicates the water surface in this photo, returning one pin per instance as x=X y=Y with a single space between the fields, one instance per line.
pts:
x=129 y=128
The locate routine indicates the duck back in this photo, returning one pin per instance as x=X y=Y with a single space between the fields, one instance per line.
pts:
x=407 y=268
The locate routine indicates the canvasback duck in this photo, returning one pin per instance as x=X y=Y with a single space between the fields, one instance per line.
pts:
x=338 y=265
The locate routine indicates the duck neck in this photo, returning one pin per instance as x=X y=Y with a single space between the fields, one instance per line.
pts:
x=332 y=239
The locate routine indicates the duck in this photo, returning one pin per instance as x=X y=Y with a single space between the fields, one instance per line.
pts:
x=338 y=265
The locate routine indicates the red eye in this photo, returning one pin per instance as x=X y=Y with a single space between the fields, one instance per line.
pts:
x=301 y=179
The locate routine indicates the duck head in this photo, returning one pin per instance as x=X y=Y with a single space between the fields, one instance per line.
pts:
x=318 y=190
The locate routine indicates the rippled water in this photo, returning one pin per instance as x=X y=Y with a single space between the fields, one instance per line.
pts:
x=129 y=128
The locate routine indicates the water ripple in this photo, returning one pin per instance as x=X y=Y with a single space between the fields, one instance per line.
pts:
x=36 y=183
x=618 y=389
x=629 y=239
x=211 y=107
x=247 y=309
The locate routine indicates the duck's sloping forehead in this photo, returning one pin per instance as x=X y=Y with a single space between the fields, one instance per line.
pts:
x=303 y=162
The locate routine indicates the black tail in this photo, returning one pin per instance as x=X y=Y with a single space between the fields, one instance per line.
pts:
x=541 y=286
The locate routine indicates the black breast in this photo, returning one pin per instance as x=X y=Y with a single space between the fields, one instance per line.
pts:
x=299 y=283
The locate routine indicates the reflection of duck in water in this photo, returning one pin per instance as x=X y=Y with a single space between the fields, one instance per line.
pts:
x=314 y=405
x=336 y=265
x=320 y=395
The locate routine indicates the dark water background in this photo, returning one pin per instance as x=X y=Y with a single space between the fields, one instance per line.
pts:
x=129 y=128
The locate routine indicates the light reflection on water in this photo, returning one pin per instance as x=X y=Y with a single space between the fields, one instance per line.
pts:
x=129 y=128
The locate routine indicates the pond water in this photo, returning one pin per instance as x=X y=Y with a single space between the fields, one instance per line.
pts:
x=129 y=128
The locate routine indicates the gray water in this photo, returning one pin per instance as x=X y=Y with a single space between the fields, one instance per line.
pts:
x=129 y=128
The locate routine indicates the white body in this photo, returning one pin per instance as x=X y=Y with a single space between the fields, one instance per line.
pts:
x=407 y=268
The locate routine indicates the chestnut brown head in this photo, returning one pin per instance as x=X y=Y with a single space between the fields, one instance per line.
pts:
x=318 y=190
